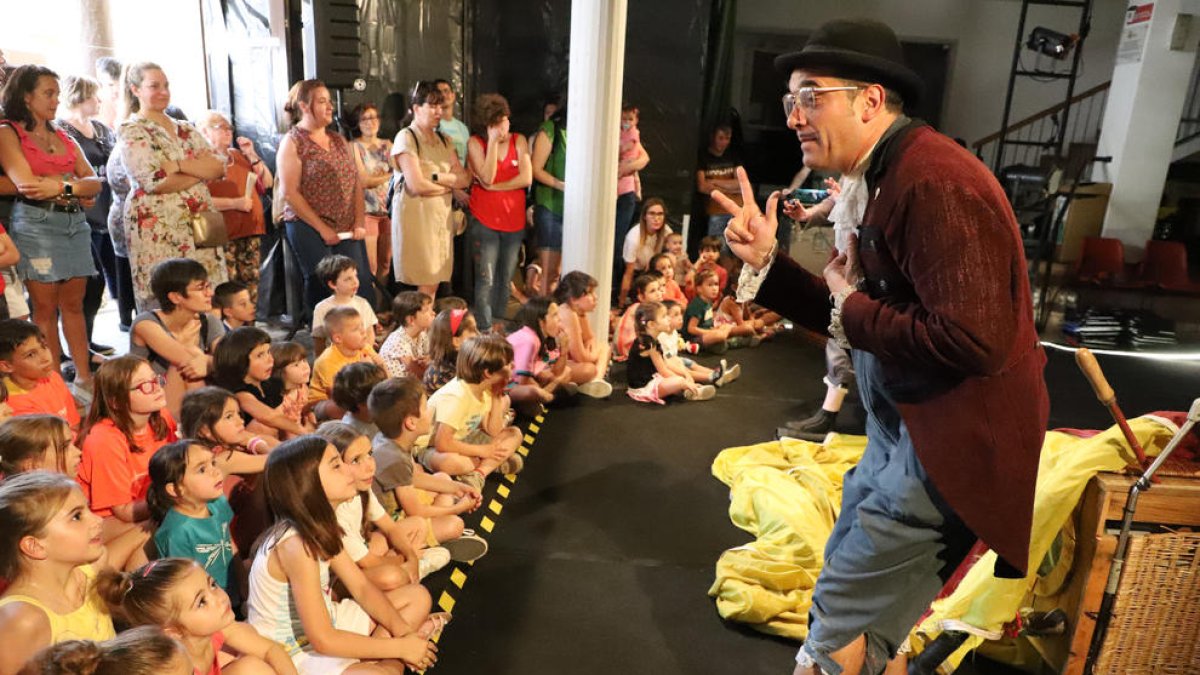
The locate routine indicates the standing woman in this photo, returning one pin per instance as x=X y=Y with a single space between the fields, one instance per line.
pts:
x=500 y=162
x=549 y=170
x=422 y=233
x=168 y=163
x=48 y=226
x=117 y=177
x=236 y=195
x=81 y=123
x=323 y=207
x=371 y=156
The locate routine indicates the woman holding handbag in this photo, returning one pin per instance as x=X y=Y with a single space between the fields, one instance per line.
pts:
x=237 y=196
x=168 y=163
x=423 y=223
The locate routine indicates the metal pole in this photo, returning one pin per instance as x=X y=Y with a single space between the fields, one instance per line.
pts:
x=1008 y=96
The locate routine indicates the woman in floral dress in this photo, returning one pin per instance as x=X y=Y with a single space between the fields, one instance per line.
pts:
x=168 y=162
x=371 y=155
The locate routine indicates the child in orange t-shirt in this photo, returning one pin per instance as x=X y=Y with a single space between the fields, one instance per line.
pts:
x=127 y=424
x=34 y=386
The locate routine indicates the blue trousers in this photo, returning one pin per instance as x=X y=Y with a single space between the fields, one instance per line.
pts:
x=495 y=256
x=310 y=248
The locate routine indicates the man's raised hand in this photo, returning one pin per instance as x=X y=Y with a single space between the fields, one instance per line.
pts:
x=750 y=233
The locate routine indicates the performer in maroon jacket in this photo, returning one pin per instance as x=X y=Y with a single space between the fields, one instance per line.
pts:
x=933 y=299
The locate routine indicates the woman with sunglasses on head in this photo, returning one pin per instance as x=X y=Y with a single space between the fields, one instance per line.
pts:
x=48 y=224
x=371 y=155
x=127 y=423
x=168 y=163
x=236 y=194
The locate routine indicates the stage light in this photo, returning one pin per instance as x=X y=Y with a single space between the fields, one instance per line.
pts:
x=1051 y=43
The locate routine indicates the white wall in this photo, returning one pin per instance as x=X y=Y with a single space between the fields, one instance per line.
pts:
x=981 y=34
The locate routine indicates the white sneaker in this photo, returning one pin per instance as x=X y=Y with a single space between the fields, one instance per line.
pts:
x=432 y=560
x=596 y=389
x=570 y=388
x=702 y=393
x=728 y=374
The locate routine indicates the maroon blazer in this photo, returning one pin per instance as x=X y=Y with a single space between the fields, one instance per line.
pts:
x=948 y=313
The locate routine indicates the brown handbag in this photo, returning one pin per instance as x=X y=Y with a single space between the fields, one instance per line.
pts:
x=208 y=229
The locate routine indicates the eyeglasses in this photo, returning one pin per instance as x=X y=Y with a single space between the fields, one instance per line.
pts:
x=149 y=386
x=806 y=97
x=202 y=287
x=368 y=118
x=656 y=214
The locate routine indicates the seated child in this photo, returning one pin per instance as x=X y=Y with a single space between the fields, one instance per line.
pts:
x=671 y=343
x=351 y=387
x=446 y=334
x=683 y=270
x=232 y=301
x=710 y=257
x=178 y=337
x=291 y=590
x=127 y=423
x=650 y=379
x=539 y=373
x=434 y=501
x=176 y=594
x=382 y=547
x=449 y=302
x=648 y=287
x=33 y=384
x=293 y=372
x=665 y=266
x=730 y=312
x=698 y=319
x=349 y=343
x=243 y=365
x=470 y=439
x=188 y=506
x=341 y=276
x=145 y=650
x=586 y=354
x=406 y=350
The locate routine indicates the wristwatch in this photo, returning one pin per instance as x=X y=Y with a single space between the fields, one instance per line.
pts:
x=435 y=176
x=68 y=191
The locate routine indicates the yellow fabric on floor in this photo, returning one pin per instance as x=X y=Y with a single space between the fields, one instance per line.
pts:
x=787 y=494
x=985 y=603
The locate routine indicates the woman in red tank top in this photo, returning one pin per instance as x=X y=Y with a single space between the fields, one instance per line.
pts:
x=48 y=224
x=501 y=170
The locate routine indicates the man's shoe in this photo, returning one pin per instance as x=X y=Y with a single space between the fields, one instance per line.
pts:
x=784 y=432
x=820 y=423
x=467 y=548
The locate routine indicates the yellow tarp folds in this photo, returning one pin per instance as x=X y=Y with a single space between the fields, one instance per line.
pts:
x=787 y=495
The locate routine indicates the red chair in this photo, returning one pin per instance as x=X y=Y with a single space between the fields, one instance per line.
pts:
x=1165 y=266
x=1101 y=261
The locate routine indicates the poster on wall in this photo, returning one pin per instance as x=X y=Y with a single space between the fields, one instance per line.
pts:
x=1135 y=32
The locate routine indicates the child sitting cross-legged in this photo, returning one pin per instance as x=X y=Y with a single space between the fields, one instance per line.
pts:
x=382 y=547
x=649 y=288
x=232 y=301
x=188 y=505
x=470 y=439
x=449 y=329
x=243 y=365
x=341 y=276
x=406 y=350
x=698 y=318
x=351 y=387
x=179 y=596
x=178 y=337
x=433 y=501
x=349 y=343
x=650 y=378
x=33 y=384
x=540 y=372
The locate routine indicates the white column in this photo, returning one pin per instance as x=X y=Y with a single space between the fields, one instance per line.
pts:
x=1149 y=84
x=597 y=69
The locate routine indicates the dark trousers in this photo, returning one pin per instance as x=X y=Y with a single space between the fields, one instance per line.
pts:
x=108 y=275
x=310 y=248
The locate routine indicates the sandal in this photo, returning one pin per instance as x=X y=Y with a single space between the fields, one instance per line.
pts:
x=437 y=622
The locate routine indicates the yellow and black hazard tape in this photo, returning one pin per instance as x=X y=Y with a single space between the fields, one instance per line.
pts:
x=487 y=523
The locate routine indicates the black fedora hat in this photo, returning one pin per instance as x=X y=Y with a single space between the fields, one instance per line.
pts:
x=856 y=49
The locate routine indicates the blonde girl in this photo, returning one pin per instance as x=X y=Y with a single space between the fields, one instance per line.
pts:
x=50 y=552
x=32 y=442
x=178 y=596
x=140 y=651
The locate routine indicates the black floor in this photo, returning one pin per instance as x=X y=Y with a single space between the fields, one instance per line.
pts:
x=604 y=549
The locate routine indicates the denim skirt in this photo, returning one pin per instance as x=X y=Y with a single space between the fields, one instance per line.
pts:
x=54 y=245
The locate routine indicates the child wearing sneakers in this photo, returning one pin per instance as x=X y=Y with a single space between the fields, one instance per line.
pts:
x=340 y=275
x=650 y=378
x=671 y=343
x=470 y=439
x=34 y=386
x=434 y=501
x=406 y=350
x=351 y=387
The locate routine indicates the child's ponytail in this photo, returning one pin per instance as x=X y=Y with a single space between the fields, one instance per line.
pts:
x=139 y=598
x=646 y=312
x=141 y=651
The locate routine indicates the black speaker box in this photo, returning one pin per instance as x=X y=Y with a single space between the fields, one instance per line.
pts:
x=336 y=46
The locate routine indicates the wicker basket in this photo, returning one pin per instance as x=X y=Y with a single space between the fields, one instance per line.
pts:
x=1155 y=627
